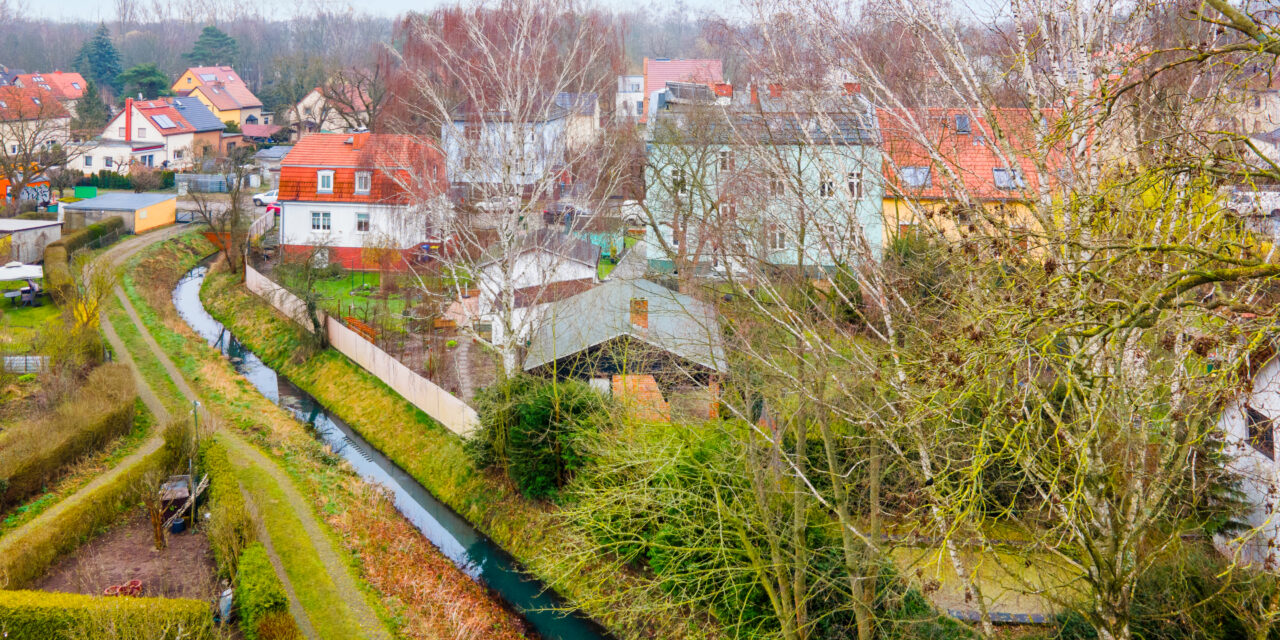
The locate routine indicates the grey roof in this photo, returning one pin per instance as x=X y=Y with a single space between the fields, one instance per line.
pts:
x=730 y=127
x=200 y=117
x=119 y=202
x=678 y=324
x=584 y=104
x=550 y=240
x=10 y=225
x=277 y=152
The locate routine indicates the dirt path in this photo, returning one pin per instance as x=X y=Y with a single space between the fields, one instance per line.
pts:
x=350 y=594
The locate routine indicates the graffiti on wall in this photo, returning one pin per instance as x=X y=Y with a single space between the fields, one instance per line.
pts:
x=37 y=192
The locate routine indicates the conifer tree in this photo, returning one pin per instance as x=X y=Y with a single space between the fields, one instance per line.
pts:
x=99 y=59
x=92 y=113
x=212 y=47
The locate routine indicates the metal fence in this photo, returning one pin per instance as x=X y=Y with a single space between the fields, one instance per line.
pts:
x=201 y=182
x=25 y=364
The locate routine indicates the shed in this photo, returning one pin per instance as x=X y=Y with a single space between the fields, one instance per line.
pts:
x=140 y=211
x=25 y=240
x=269 y=159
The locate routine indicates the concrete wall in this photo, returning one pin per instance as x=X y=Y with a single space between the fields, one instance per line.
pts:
x=441 y=405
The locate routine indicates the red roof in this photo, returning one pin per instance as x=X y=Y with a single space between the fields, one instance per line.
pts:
x=401 y=166
x=352 y=99
x=163 y=117
x=223 y=74
x=66 y=85
x=226 y=96
x=658 y=72
x=259 y=130
x=29 y=103
x=964 y=162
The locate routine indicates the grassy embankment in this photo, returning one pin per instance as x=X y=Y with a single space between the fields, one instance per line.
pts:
x=433 y=456
x=421 y=593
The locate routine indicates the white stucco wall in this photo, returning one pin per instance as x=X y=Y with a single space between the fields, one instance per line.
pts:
x=1260 y=474
x=404 y=227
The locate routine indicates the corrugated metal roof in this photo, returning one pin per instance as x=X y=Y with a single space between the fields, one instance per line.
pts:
x=678 y=324
x=119 y=202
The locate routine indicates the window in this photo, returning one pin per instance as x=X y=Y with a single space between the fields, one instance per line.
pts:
x=726 y=160
x=635 y=87
x=88 y=161
x=962 y=124
x=1009 y=179
x=362 y=222
x=177 y=155
x=107 y=161
x=324 y=182
x=319 y=220
x=855 y=185
x=915 y=177
x=4 y=105
x=827 y=188
x=776 y=237
x=364 y=181
x=164 y=121
x=122 y=132
x=149 y=160
x=75 y=85
x=639 y=107
x=142 y=132
x=678 y=181
x=36 y=100
x=1261 y=431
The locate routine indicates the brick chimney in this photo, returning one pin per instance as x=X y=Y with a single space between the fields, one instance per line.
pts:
x=775 y=91
x=128 y=119
x=640 y=312
x=755 y=94
x=359 y=139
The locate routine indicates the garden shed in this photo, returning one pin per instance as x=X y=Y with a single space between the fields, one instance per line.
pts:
x=140 y=211
x=25 y=240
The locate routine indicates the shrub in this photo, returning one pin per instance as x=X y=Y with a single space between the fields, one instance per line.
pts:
x=57 y=268
x=260 y=598
x=38 y=215
x=38 y=615
x=108 y=179
x=230 y=530
x=532 y=428
x=33 y=452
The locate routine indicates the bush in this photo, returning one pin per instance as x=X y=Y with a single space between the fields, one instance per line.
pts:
x=230 y=530
x=260 y=597
x=33 y=452
x=38 y=215
x=532 y=429
x=108 y=179
x=38 y=615
x=57 y=267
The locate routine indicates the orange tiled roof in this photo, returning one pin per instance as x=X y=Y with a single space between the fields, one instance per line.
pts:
x=226 y=96
x=399 y=165
x=29 y=103
x=971 y=157
x=153 y=109
x=66 y=85
x=223 y=74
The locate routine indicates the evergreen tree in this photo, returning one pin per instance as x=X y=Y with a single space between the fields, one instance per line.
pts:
x=99 y=59
x=213 y=47
x=146 y=79
x=92 y=113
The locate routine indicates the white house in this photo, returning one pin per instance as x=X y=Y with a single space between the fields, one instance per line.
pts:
x=154 y=133
x=628 y=104
x=1248 y=425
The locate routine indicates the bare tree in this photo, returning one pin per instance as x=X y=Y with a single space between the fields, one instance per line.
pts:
x=34 y=130
x=228 y=214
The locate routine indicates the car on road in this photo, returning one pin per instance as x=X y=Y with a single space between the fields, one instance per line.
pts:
x=266 y=197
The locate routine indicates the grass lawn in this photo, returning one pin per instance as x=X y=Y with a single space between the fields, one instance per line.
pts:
x=353 y=294
x=20 y=325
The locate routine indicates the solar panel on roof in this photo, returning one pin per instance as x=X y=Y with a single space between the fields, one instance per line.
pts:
x=208 y=77
x=164 y=122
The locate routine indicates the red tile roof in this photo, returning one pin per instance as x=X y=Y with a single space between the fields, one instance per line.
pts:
x=223 y=74
x=970 y=157
x=259 y=130
x=402 y=167
x=29 y=103
x=152 y=110
x=66 y=85
x=658 y=72
x=226 y=96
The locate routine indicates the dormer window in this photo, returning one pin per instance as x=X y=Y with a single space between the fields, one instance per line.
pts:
x=1009 y=179
x=324 y=182
x=962 y=124
x=364 y=182
x=915 y=177
x=36 y=100
x=75 y=85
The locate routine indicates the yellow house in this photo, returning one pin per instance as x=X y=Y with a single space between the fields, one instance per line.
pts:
x=924 y=180
x=140 y=211
x=223 y=91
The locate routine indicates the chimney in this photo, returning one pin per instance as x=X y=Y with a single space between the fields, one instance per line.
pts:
x=128 y=119
x=755 y=94
x=359 y=139
x=775 y=91
x=640 y=312
x=723 y=89
x=852 y=88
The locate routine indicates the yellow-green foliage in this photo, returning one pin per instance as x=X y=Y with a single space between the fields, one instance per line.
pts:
x=31 y=453
x=260 y=597
x=26 y=554
x=57 y=271
x=57 y=267
x=229 y=527
x=38 y=615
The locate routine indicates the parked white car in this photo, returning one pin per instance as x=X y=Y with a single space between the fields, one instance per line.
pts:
x=267 y=197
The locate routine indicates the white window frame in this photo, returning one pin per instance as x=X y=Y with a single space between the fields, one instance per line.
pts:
x=857 y=188
x=775 y=237
x=123 y=131
x=321 y=221
x=827 y=187
x=142 y=132
x=107 y=162
x=367 y=178
x=320 y=181
x=88 y=161
x=363 y=217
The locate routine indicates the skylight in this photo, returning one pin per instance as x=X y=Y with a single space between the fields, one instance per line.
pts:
x=164 y=122
x=75 y=85
x=4 y=105
x=915 y=177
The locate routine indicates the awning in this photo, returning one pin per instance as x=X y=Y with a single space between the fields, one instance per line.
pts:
x=19 y=271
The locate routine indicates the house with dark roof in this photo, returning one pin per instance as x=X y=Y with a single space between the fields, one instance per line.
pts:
x=166 y=133
x=359 y=198
x=777 y=178
x=224 y=92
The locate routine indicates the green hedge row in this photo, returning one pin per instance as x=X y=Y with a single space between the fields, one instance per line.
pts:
x=39 y=615
x=230 y=529
x=27 y=552
x=32 y=453
x=57 y=268
x=260 y=597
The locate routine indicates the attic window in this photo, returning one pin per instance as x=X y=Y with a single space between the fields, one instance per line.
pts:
x=962 y=124
x=36 y=100
x=364 y=182
x=4 y=105
x=38 y=78
x=46 y=87
x=75 y=85
x=1009 y=179
x=1261 y=432
x=324 y=182
x=915 y=177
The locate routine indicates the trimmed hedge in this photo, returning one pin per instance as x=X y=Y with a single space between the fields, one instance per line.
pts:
x=38 y=215
x=260 y=597
x=57 y=268
x=26 y=554
x=230 y=529
x=39 y=615
x=101 y=410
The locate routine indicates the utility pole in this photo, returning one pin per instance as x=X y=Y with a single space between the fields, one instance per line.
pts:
x=191 y=459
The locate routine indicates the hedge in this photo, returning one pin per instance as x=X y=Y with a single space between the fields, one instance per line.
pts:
x=39 y=615
x=32 y=453
x=26 y=553
x=230 y=530
x=38 y=215
x=260 y=597
x=57 y=269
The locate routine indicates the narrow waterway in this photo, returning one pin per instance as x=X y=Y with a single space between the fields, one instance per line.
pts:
x=471 y=550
